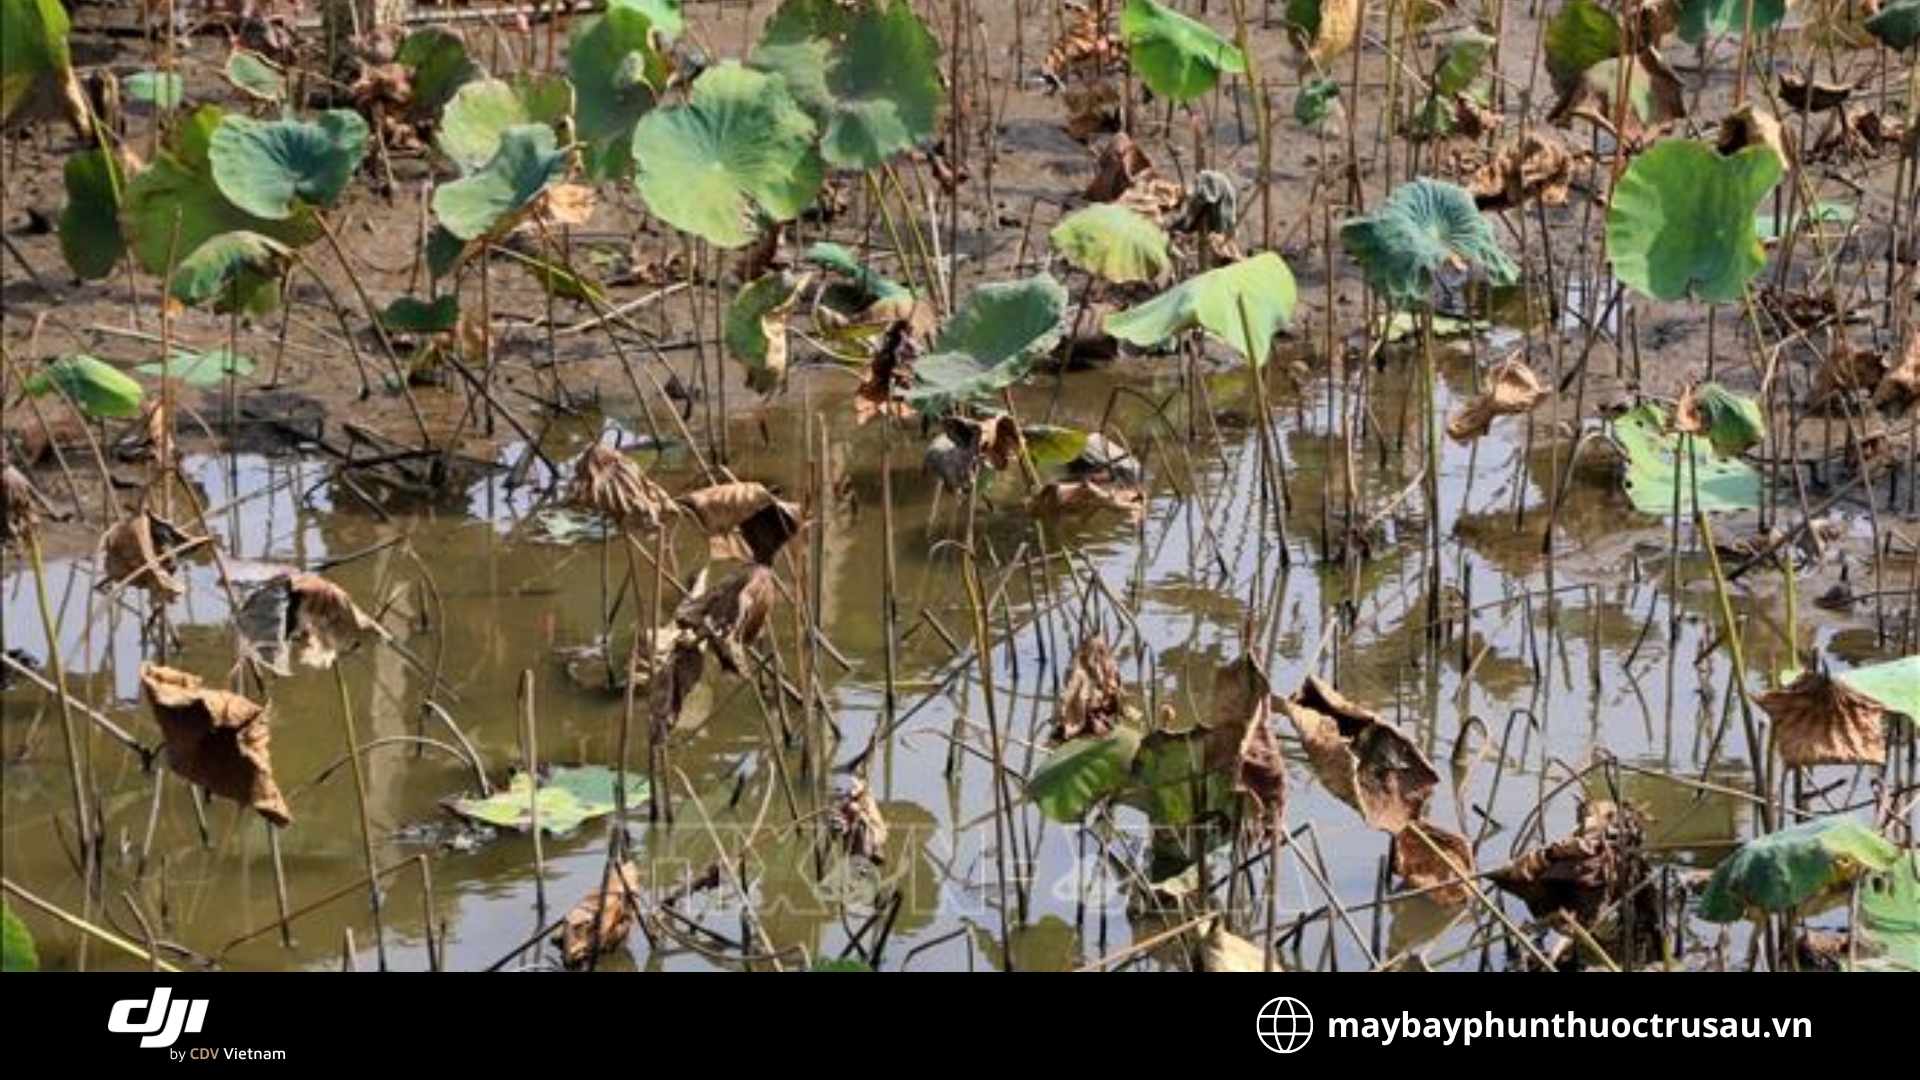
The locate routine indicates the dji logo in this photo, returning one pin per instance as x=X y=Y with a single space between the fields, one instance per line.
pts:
x=163 y=1024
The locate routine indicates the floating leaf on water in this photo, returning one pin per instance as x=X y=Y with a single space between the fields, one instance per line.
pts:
x=1894 y=684
x=1112 y=242
x=216 y=739
x=729 y=616
x=268 y=168
x=1819 y=721
x=1324 y=29
x=17 y=953
x=161 y=89
x=90 y=222
x=481 y=113
x=990 y=343
x=1681 y=221
x=1080 y=774
x=1428 y=857
x=1585 y=873
x=1896 y=24
x=1081 y=498
x=566 y=797
x=256 y=76
x=742 y=519
x=1654 y=469
x=1511 y=388
x=600 y=922
x=867 y=72
x=1424 y=227
x=1361 y=759
x=1179 y=58
x=619 y=65
x=95 y=387
x=1700 y=19
x=1221 y=950
x=1787 y=868
x=1094 y=699
x=740 y=151
x=756 y=328
x=140 y=551
x=495 y=197
x=1262 y=287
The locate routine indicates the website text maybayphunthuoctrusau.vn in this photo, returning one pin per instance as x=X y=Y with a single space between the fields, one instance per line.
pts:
x=1463 y=1030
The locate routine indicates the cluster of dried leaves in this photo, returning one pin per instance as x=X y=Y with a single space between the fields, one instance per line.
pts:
x=1582 y=876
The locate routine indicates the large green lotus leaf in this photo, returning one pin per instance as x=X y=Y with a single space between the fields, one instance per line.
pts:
x=90 y=224
x=203 y=369
x=236 y=271
x=1423 y=227
x=1681 y=222
x=1580 y=35
x=268 y=168
x=991 y=342
x=1261 y=286
x=256 y=76
x=17 y=953
x=867 y=72
x=1701 y=18
x=1890 y=916
x=1078 y=775
x=96 y=387
x=525 y=165
x=1897 y=23
x=739 y=151
x=1894 y=684
x=440 y=65
x=1113 y=242
x=162 y=89
x=1177 y=57
x=619 y=65
x=565 y=799
x=482 y=111
x=756 y=327
x=1787 y=868
x=34 y=59
x=1653 y=469
x=1463 y=57
x=177 y=191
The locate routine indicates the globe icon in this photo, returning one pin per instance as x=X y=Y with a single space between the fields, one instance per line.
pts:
x=1285 y=1025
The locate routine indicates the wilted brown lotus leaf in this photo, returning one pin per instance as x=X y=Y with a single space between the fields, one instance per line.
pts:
x=730 y=616
x=1121 y=163
x=1511 y=387
x=1338 y=30
x=1094 y=699
x=1812 y=96
x=1751 y=125
x=140 y=551
x=1155 y=199
x=1426 y=856
x=1820 y=721
x=1360 y=758
x=1582 y=874
x=1083 y=498
x=1591 y=99
x=612 y=485
x=1239 y=738
x=20 y=504
x=1535 y=166
x=569 y=205
x=1858 y=132
x=216 y=739
x=599 y=923
x=1847 y=368
x=857 y=823
x=1093 y=108
x=742 y=520
x=1087 y=44
x=888 y=374
x=325 y=620
x=1900 y=388
x=674 y=680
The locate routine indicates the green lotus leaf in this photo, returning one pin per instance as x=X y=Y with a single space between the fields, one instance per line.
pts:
x=1462 y=58
x=35 y=63
x=173 y=206
x=1051 y=444
x=210 y=368
x=236 y=271
x=867 y=72
x=1316 y=102
x=1079 y=774
x=1262 y=287
x=95 y=387
x=741 y=150
x=1734 y=422
x=869 y=286
x=491 y=200
x=17 y=953
x=619 y=66
x=1897 y=23
x=756 y=327
x=1580 y=35
x=1894 y=684
x=1113 y=242
x=1701 y=18
x=263 y=167
x=412 y=315
x=1654 y=473
x=90 y=224
x=1173 y=782
x=1423 y=227
x=1785 y=869
x=990 y=343
x=440 y=65
x=1890 y=916
x=1681 y=222
x=161 y=89
x=256 y=76
x=484 y=110
x=565 y=798
x=445 y=251
x=1177 y=57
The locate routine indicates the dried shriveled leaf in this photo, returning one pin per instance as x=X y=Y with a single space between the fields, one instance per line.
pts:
x=1120 y=165
x=1656 y=99
x=1900 y=388
x=216 y=739
x=1535 y=166
x=599 y=923
x=1093 y=109
x=1751 y=125
x=1846 y=369
x=140 y=551
x=1361 y=759
x=742 y=519
x=612 y=484
x=325 y=620
x=1582 y=874
x=1082 y=498
x=1812 y=95
x=857 y=823
x=1858 y=132
x=20 y=504
x=670 y=687
x=889 y=374
x=1094 y=698
x=1240 y=739
x=730 y=616
x=1511 y=387
x=1820 y=721
x=570 y=205
x=1087 y=46
x=1426 y=856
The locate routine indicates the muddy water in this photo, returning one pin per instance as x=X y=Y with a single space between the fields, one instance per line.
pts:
x=1555 y=678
